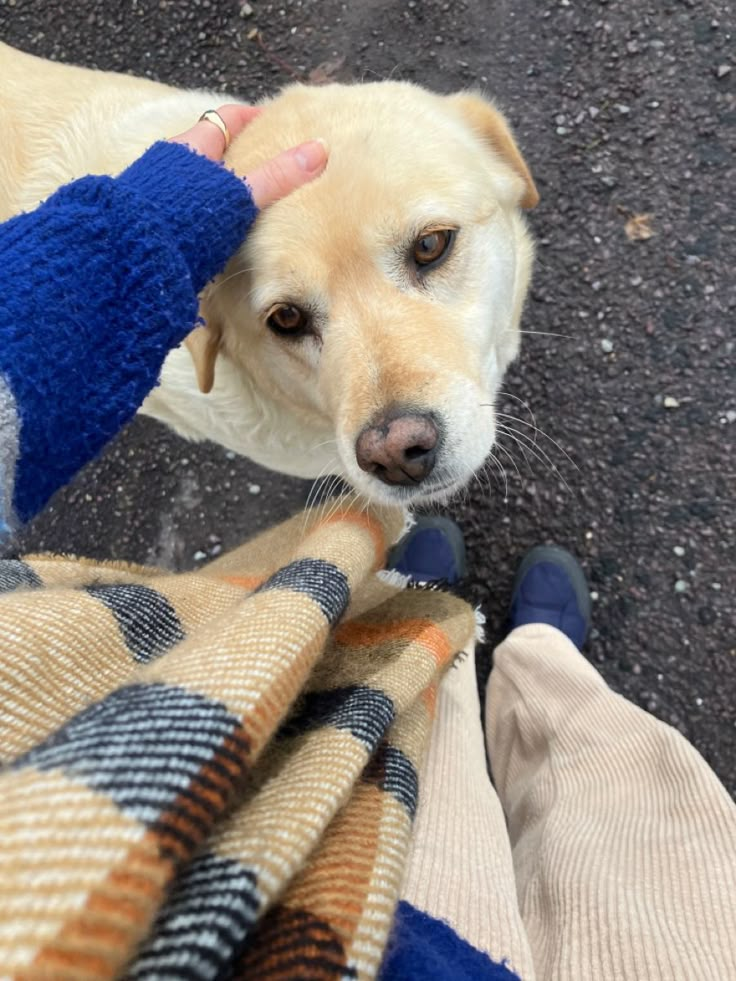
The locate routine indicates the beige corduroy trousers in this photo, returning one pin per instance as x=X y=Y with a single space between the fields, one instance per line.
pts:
x=604 y=848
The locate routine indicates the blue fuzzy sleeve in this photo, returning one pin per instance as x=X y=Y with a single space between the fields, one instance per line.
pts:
x=96 y=287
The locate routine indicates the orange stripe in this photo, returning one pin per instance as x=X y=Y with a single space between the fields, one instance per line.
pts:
x=429 y=697
x=172 y=843
x=350 y=845
x=418 y=631
x=67 y=965
x=115 y=908
x=143 y=873
x=245 y=582
x=115 y=918
x=221 y=793
x=195 y=807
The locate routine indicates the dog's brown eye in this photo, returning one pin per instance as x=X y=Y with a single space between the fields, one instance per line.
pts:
x=288 y=320
x=432 y=246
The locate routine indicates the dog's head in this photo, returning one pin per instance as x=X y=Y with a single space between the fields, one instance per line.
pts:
x=376 y=309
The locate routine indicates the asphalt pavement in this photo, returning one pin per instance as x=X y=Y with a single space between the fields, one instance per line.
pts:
x=626 y=114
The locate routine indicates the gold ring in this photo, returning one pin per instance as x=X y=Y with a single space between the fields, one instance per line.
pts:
x=212 y=116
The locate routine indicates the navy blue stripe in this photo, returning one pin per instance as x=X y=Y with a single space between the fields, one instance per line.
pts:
x=15 y=573
x=142 y=745
x=394 y=772
x=365 y=712
x=208 y=916
x=421 y=947
x=147 y=620
x=321 y=581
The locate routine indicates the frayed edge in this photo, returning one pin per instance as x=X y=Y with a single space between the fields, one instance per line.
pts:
x=392 y=577
x=9 y=442
x=480 y=625
x=409 y=522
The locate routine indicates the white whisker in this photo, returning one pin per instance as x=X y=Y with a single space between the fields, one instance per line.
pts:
x=521 y=402
x=536 y=450
x=513 y=461
x=522 y=422
x=313 y=491
x=523 y=453
x=494 y=459
x=238 y=272
x=326 y=442
x=540 y=333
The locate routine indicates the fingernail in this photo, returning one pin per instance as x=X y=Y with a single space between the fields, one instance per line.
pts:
x=311 y=156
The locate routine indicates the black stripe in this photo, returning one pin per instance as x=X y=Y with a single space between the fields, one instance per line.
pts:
x=321 y=581
x=394 y=772
x=184 y=842
x=15 y=573
x=142 y=745
x=308 y=962
x=365 y=712
x=174 y=823
x=204 y=923
x=147 y=620
x=294 y=943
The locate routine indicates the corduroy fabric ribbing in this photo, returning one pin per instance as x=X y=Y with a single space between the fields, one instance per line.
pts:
x=623 y=840
x=621 y=843
x=459 y=869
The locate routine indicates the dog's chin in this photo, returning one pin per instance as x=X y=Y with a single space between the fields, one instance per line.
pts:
x=429 y=492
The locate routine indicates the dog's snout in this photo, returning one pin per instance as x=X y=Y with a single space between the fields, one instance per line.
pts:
x=399 y=450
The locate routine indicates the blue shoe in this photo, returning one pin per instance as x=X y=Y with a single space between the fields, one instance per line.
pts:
x=550 y=587
x=432 y=552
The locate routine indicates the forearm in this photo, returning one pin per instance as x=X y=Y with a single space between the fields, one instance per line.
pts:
x=96 y=287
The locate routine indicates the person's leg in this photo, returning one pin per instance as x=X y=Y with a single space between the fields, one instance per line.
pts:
x=624 y=841
x=459 y=870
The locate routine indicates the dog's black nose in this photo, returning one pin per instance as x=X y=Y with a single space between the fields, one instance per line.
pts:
x=400 y=449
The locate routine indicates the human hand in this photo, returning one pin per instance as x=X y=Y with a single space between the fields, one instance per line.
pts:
x=274 y=179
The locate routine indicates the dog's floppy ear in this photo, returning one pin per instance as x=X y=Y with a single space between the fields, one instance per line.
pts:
x=203 y=344
x=493 y=129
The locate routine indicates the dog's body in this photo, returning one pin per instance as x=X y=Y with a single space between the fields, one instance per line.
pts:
x=390 y=378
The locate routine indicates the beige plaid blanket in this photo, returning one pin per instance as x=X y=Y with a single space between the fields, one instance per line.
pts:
x=213 y=774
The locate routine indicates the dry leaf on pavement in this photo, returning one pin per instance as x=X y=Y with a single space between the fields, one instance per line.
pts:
x=638 y=228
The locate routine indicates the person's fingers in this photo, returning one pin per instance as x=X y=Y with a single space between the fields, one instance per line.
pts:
x=275 y=178
x=207 y=138
x=288 y=171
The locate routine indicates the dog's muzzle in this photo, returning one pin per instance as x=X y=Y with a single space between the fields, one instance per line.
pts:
x=400 y=448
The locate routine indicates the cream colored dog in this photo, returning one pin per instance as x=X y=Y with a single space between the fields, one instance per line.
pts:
x=364 y=327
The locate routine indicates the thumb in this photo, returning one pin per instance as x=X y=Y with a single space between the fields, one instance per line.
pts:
x=288 y=171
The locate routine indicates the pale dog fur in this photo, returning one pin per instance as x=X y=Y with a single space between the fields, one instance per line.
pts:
x=401 y=160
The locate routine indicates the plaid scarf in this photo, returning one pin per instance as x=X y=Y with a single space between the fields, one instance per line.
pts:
x=213 y=774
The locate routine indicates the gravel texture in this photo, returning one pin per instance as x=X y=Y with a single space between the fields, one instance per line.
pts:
x=626 y=112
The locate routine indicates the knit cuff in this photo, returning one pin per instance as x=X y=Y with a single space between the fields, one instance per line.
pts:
x=205 y=209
